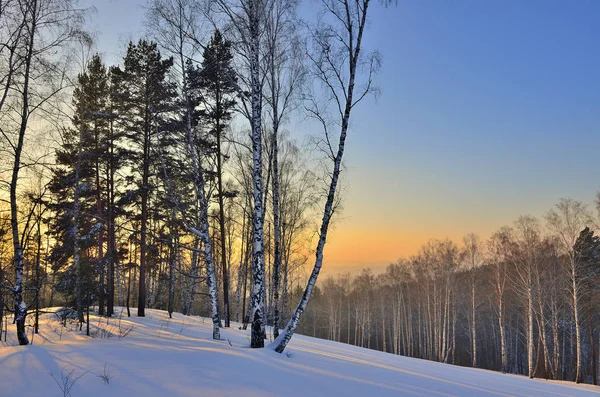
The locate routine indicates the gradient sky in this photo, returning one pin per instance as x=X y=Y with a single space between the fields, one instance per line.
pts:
x=488 y=110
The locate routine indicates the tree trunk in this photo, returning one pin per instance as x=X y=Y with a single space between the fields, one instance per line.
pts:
x=128 y=291
x=473 y=323
x=111 y=237
x=281 y=342
x=530 y=358
x=75 y=236
x=37 y=270
x=593 y=357
x=579 y=354
x=20 y=308
x=224 y=267
x=502 y=334
x=257 y=298
x=202 y=232
x=172 y=264
x=144 y=220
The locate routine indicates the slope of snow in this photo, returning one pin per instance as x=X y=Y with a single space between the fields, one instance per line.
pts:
x=177 y=357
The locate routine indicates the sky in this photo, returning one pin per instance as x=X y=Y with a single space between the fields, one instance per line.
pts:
x=488 y=110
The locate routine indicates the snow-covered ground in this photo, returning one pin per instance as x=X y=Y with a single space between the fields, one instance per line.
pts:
x=177 y=357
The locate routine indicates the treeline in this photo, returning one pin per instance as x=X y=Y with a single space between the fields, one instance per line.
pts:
x=526 y=301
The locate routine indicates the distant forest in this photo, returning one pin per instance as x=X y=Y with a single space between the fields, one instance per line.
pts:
x=525 y=301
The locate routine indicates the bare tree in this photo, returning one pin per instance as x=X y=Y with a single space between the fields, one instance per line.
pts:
x=284 y=76
x=336 y=59
x=247 y=21
x=36 y=74
x=566 y=220
x=12 y=31
x=473 y=256
x=175 y=24
x=499 y=252
x=527 y=259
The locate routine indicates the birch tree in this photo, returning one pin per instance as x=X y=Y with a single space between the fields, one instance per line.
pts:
x=527 y=258
x=499 y=249
x=566 y=220
x=201 y=228
x=473 y=257
x=336 y=58
x=144 y=95
x=37 y=33
x=527 y=328
x=247 y=20
x=285 y=72
x=176 y=26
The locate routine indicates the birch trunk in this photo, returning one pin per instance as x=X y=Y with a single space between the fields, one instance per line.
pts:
x=203 y=231
x=575 y=297
x=257 y=299
x=555 y=338
x=20 y=307
x=502 y=334
x=542 y=327
x=276 y=227
x=195 y=273
x=530 y=360
x=473 y=321
x=281 y=342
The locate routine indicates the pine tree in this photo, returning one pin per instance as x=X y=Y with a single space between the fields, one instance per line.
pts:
x=76 y=187
x=143 y=98
x=115 y=156
x=587 y=257
x=587 y=253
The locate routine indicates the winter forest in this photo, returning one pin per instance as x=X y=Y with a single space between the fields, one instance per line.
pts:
x=172 y=180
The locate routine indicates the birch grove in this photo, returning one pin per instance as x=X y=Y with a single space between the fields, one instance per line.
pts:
x=524 y=305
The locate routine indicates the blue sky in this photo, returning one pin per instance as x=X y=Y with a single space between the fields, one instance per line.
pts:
x=488 y=110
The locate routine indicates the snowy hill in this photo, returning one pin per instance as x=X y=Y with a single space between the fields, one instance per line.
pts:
x=177 y=357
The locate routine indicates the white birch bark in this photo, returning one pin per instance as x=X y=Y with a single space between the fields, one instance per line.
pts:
x=202 y=230
x=575 y=298
x=473 y=325
x=20 y=307
x=258 y=292
x=354 y=47
x=566 y=221
x=530 y=347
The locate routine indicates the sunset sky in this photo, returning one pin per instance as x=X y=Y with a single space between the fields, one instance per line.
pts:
x=488 y=110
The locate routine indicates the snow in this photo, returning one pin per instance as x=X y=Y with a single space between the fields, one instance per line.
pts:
x=177 y=357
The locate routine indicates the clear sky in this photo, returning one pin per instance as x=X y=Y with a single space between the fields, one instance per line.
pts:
x=488 y=110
